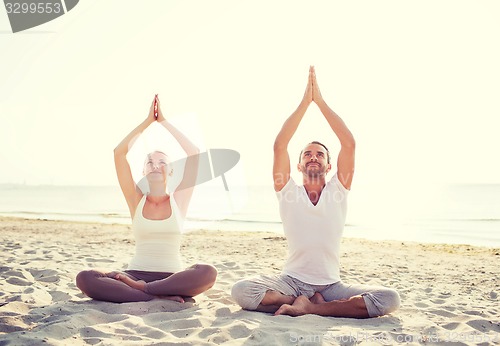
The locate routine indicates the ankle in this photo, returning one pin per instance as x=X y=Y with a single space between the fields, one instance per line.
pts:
x=276 y=298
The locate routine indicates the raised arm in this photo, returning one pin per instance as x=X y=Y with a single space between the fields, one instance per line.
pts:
x=281 y=165
x=123 y=172
x=345 y=161
x=184 y=191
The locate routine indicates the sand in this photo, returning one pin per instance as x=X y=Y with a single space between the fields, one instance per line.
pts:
x=449 y=293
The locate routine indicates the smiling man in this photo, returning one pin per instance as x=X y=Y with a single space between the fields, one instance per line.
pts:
x=313 y=216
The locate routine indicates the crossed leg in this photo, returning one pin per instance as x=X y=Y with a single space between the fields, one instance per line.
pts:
x=134 y=286
x=354 y=307
x=141 y=285
x=342 y=300
x=287 y=296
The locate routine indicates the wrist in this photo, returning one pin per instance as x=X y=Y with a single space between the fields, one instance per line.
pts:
x=320 y=102
x=148 y=121
x=304 y=103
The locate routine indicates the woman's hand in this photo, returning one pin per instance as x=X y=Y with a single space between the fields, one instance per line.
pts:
x=160 y=118
x=151 y=116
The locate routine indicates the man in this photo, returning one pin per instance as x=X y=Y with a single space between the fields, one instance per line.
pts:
x=313 y=217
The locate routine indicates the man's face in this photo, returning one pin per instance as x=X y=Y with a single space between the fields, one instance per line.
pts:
x=314 y=161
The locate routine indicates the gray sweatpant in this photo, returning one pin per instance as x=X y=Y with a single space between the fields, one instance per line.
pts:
x=248 y=293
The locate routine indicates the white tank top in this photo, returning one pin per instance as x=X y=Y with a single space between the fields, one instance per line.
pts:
x=157 y=242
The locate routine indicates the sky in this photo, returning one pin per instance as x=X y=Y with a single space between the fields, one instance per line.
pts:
x=416 y=82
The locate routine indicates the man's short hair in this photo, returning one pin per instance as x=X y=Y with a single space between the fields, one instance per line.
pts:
x=319 y=143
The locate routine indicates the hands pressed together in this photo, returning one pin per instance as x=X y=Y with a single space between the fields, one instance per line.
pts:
x=155 y=113
x=312 y=92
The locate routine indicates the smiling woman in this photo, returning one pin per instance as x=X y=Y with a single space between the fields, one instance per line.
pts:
x=156 y=270
x=155 y=165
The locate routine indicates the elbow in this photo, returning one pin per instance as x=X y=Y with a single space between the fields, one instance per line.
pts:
x=352 y=143
x=116 y=151
x=279 y=146
x=194 y=151
x=349 y=143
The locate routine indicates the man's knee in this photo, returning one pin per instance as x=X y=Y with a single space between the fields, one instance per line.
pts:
x=393 y=301
x=241 y=294
x=381 y=302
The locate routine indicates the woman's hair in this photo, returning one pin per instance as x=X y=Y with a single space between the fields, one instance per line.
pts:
x=156 y=151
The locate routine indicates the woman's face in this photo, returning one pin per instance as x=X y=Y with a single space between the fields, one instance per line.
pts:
x=155 y=166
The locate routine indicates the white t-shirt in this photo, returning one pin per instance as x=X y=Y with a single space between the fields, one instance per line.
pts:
x=313 y=232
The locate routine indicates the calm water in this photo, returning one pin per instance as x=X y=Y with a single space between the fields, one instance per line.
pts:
x=467 y=214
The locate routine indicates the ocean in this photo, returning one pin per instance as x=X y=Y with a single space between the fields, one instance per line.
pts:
x=453 y=214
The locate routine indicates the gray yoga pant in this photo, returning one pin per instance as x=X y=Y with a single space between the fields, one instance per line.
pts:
x=248 y=293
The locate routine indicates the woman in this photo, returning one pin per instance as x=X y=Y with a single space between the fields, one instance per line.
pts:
x=157 y=217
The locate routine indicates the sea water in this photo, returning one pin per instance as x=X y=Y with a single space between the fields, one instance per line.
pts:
x=457 y=214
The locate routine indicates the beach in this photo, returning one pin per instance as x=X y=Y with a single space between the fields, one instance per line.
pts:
x=449 y=293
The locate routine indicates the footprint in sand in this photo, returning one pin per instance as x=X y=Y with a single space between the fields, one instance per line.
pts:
x=8 y=325
x=90 y=333
x=58 y=296
x=45 y=275
x=205 y=333
x=18 y=281
x=484 y=326
x=473 y=312
x=13 y=246
x=451 y=326
x=228 y=264
x=182 y=333
x=438 y=301
x=443 y=313
x=239 y=331
x=5 y=269
x=223 y=312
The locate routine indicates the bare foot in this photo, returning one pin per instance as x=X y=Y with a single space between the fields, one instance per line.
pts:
x=178 y=299
x=301 y=306
x=317 y=298
x=138 y=285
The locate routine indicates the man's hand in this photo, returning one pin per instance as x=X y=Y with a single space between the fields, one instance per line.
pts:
x=316 y=94
x=308 y=95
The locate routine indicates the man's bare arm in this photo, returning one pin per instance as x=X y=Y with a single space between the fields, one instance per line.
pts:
x=345 y=161
x=281 y=166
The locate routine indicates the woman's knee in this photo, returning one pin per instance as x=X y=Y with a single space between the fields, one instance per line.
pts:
x=207 y=272
x=86 y=280
x=83 y=278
